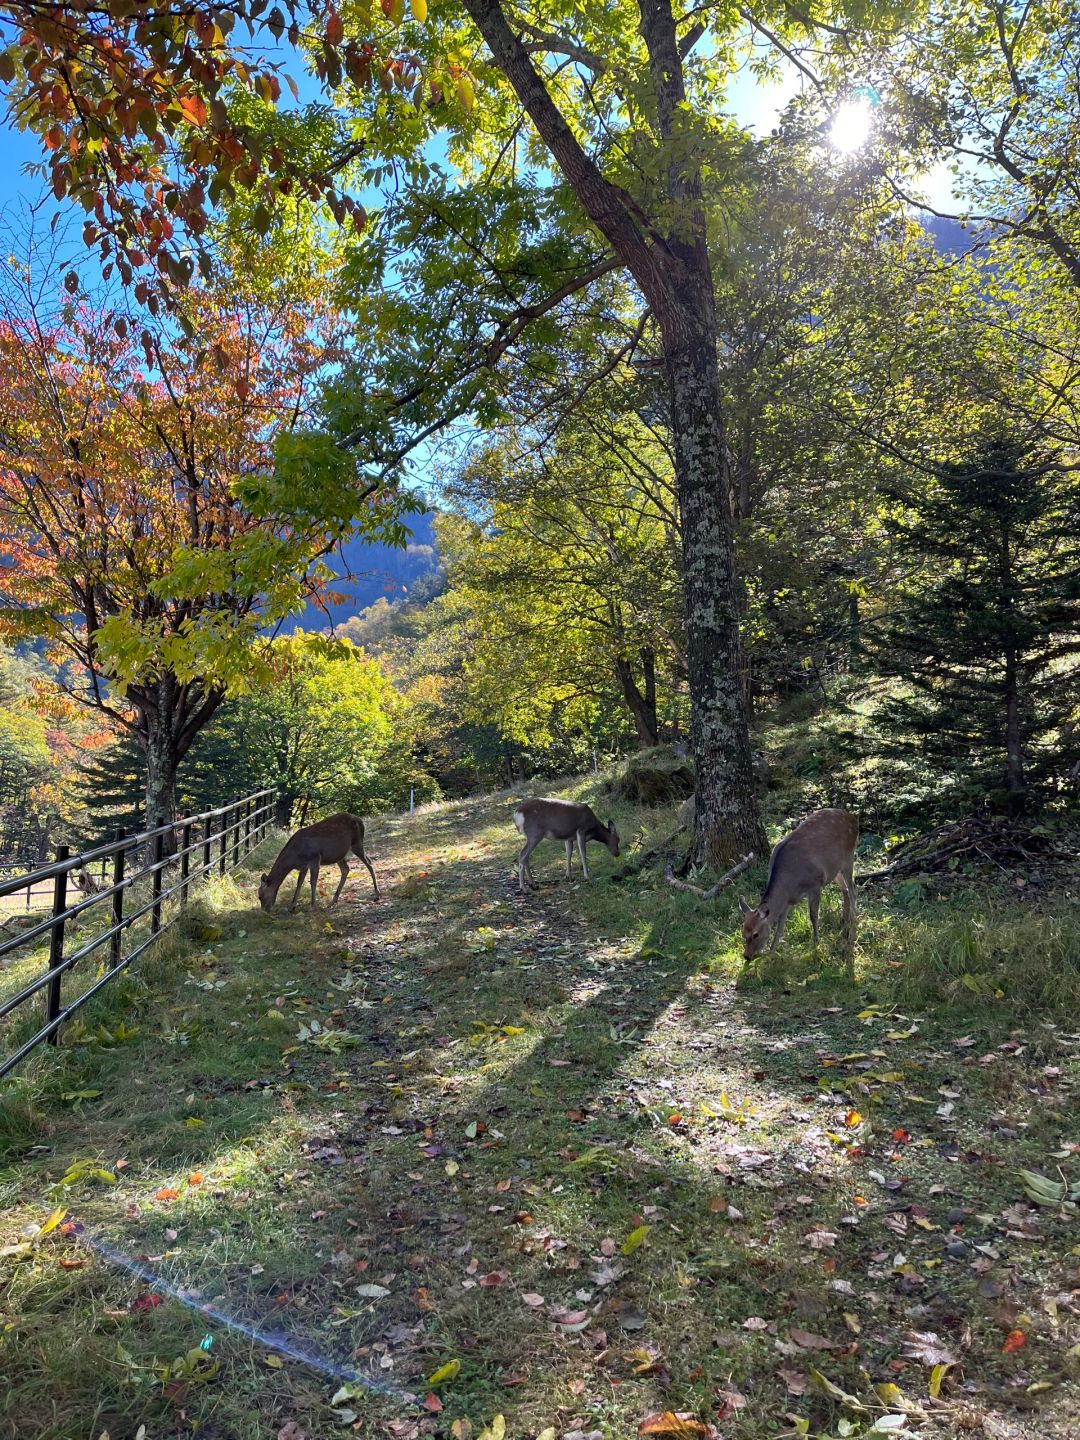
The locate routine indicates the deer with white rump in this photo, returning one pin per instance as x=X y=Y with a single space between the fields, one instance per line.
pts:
x=564 y=820
x=327 y=842
x=818 y=852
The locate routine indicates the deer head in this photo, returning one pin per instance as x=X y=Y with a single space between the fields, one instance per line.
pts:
x=755 y=929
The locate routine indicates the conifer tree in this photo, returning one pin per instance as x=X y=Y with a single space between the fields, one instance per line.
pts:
x=987 y=632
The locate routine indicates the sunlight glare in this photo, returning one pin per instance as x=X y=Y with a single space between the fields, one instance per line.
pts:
x=851 y=126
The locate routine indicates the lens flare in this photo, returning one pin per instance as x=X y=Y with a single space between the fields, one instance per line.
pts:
x=851 y=126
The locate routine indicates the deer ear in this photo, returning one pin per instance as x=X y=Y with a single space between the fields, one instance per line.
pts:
x=744 y=907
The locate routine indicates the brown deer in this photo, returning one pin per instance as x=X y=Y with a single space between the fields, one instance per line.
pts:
x=564 y=820
x=819 y=851
x=326 y=842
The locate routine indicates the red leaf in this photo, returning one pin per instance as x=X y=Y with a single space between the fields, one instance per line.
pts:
x=1015 y=1340
x=335 y=30
x=146 y=1302
x=433 y=1403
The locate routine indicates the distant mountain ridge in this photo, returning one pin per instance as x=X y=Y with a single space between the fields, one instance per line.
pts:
x=375 y=572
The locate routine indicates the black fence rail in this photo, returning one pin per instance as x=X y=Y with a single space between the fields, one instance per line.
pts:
x=219 y=839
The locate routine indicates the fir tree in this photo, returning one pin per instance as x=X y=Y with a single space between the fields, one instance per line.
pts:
x=987 y=632
x=111 y=789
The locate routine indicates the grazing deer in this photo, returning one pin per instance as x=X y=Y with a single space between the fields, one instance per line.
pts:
x=538 y=820
x=85 y=882
x=819 y=851
x=324 y=843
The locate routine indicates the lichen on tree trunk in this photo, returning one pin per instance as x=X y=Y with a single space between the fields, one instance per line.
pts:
x=726 y=819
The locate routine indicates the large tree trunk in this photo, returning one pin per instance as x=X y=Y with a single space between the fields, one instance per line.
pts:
x=726 y=820
x=162 y=763
x=673 y=273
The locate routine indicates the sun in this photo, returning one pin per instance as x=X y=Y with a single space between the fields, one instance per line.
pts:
x=851 y=126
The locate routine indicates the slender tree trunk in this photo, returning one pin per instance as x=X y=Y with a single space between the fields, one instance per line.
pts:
x=283 y=809
x=641 y=704
x=1015 y=783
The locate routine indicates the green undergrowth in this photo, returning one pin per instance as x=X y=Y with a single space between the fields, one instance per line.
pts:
x=555 y=1158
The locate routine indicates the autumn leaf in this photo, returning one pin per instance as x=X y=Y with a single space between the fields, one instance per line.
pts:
x=167 y=1194
x=635 y=1239
x=445 y=1373
x=1015 y=1340
x=194 y=109
x=335 y=30
x=52 y=1222
x=671 y=1422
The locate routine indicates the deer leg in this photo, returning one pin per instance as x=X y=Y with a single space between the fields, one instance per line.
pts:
x=813 y=902
x=370 y=870
x=846 y=881
x=296 y=893
x=581 y=852
x=343 y=866
x=313 y=875
x=778 y=931
x=569 y=853
x=523 y=863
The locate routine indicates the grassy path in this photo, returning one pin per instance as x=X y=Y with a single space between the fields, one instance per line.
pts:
x=544 y=1147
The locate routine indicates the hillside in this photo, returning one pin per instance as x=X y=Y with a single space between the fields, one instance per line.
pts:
x=373 y=572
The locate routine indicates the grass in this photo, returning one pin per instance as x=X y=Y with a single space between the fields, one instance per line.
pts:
x=559 y=1147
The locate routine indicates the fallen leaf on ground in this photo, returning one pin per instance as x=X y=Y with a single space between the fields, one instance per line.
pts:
x=672 y=1422
x=795 y=1380
x=445 y=1373
x=927 y=1348
x=807 y=1340
x=1015 y=1340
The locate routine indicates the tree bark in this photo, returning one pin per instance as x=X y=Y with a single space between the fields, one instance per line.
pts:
x=641 y=704
x=673 y=273
x=162 y=762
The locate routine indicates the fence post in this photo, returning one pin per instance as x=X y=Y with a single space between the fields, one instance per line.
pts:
x=117 y=901
x=185 y=861
x=155 y=884
x=249 y=806
x=207 y=826
x=223 y=842
x=56 y=943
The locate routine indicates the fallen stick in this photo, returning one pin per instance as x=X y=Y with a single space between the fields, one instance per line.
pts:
x=725 y=879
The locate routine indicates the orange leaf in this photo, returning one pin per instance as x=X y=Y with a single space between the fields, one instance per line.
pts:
x=433 y=1403
x=71 y=1264
x=167 y=1194
x=1015 y=1340
x=675 y=1119
x=335 y=30
x=195 y=1179
x=194 y=108
x=852 y=1118
x=671 y=1422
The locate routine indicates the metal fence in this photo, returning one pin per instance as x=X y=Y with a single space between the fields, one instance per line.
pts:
x=219 y=839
